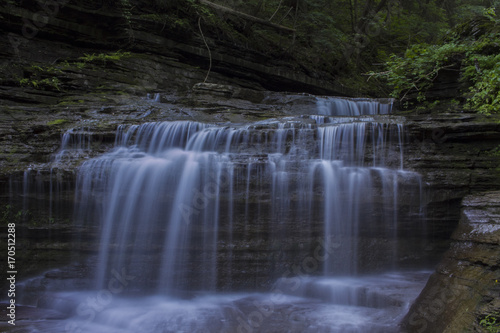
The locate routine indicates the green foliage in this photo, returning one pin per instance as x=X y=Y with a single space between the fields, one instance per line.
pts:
x=47 y=83
x=8 y=214
x=494 y=152
x=126 y=8
x=45 y=69
x=200 y=8
x=491 y=322
x=476 y=54
x=104 y=57
x=418 y=67
x=46 y=77
x=41 y=77
x=485 y=91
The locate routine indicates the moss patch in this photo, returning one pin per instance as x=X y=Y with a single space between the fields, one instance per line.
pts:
x=57 y=122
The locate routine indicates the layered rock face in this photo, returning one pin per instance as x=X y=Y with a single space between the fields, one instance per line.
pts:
x=466 y=285
x=453 y=152
x=169 y=56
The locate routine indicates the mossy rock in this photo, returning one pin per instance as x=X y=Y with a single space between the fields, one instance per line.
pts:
x=57 y=122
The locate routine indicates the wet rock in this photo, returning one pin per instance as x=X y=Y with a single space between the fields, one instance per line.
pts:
x=454 y=152
x=466 y=284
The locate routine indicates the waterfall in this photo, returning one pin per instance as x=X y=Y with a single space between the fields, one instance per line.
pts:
x=335 y=106
x=74 y=143
x=293 y=224
x=188 y=194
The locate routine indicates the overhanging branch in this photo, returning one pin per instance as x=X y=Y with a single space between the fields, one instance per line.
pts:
x=246 y=16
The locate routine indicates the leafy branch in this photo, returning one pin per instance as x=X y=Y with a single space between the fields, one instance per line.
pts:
x=477 y=58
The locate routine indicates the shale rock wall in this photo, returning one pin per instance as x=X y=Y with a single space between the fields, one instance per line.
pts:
x=466 y=285
x=455 y=153
x=166 y=57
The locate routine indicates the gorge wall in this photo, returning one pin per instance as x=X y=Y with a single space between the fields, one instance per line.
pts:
x=465 y=287
x=454 y=155
x=455 y=152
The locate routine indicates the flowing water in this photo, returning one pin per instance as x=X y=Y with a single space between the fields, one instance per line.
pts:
x=283 y=225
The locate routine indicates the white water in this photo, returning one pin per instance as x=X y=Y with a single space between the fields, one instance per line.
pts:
x=333 y=305
x=334 y=106
x=177 y=204
x=75 y=143
x=161 y=190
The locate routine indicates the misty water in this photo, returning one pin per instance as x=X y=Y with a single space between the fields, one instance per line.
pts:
x=197 y=224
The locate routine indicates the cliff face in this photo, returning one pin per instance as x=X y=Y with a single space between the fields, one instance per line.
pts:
x=465 y=287
x=456 y=155
x=166 y=54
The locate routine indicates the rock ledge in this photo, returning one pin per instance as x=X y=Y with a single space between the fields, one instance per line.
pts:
x=465 y=287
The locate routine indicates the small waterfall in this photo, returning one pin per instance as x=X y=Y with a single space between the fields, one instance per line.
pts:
x=170 y=178
x=344 y=142
x=47 y=189
x=174 y=190
x=336 y=106
x=75 y=143
x=154 y=97
x=39 y=197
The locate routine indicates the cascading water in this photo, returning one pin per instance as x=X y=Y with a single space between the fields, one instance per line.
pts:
x=75 y=142
x=295 y=205
x=352 y=107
